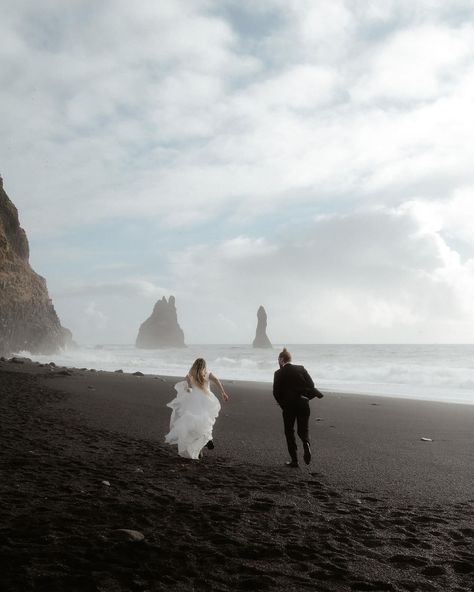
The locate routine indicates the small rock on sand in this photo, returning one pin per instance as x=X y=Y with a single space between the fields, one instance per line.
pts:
x=126 y=534
x=426 y=439
x=106 y=483
x=138 y=374
x=120 y=371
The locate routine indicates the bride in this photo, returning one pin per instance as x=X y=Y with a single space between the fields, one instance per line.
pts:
x=195 y=409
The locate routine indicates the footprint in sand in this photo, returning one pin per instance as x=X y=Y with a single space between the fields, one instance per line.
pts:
x=408 y=560
x=371 y=586
x=463 y=567
x=433 y=570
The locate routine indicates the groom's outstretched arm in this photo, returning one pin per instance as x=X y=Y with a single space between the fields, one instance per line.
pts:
x=312 y=390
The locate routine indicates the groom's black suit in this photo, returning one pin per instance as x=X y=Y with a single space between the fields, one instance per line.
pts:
x=292 y=389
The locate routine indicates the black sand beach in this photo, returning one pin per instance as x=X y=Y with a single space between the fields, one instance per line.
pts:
x=82 y=457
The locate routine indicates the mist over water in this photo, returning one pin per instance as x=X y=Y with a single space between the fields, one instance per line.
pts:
x=431 y=372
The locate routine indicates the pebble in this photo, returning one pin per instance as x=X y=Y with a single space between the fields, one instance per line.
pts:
x=129 y=535
x=106 y=483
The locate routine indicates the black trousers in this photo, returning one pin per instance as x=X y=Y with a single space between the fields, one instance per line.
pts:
x=299 y=412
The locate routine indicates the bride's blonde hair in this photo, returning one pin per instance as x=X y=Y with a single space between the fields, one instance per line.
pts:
x=198 y=371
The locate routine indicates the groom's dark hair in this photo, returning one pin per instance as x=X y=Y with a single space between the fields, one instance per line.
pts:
x=284 y=356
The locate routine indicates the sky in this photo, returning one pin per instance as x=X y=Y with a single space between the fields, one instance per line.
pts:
x=311 y=156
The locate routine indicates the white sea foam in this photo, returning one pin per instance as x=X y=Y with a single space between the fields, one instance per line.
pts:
x=432 y=372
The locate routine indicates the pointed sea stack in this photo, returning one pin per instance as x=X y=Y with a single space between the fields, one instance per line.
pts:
x=261 y=339
x=28 y=320
x=161 y=329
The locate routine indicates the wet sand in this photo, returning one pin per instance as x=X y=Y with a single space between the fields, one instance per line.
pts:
x=82 y=457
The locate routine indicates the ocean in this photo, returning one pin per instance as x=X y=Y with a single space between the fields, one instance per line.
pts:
x=429 y=372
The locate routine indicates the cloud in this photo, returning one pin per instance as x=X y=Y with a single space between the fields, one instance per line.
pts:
x=365 y=276
x=417 y=64
x=124 y=288
x=95 y=316
x=124 y=126
x=453 y=218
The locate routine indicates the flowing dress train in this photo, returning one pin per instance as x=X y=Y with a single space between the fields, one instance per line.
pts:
x=192 y=418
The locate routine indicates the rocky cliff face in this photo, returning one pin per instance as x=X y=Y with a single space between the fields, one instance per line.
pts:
x=28 y=320
x=161 y=329
x=261 y=338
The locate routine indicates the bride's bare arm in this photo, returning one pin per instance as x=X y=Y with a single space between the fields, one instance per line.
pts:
x=218 y=383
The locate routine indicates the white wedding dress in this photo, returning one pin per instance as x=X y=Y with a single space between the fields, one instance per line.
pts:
x=193 y=417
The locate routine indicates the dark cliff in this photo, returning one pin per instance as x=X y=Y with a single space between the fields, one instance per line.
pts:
x=28 y=320
x=161 y=329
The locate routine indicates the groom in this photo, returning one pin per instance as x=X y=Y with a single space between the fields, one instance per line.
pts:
x=293 y=387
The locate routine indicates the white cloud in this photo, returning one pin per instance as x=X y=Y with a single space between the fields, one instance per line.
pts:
x=453 y=218
x=123 y=288
x=303 y=87
x=419 y=63
x=367 y=276
x=125 y=125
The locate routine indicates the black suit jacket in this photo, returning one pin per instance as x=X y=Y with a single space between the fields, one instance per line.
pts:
x=292 y=382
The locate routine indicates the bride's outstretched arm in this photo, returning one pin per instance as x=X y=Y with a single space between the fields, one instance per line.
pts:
x=218 y=383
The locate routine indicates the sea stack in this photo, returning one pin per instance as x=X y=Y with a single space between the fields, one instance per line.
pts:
x=28 y=320
x=161 y=329
x=261 y=338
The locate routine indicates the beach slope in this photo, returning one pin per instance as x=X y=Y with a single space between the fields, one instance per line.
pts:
x=91 y=498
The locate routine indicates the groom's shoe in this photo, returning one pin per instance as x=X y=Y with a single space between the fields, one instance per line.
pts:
x=307 y=452
x=293 y=464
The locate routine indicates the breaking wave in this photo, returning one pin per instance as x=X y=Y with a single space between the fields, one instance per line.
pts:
x=432 y=372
